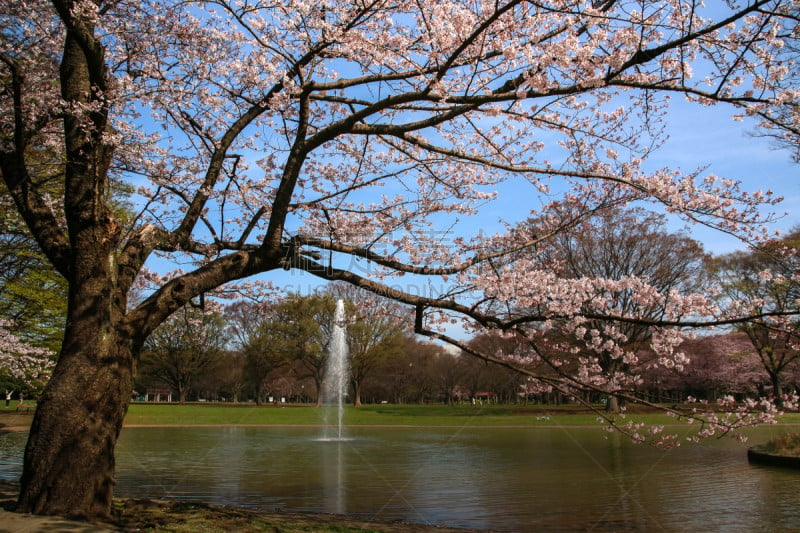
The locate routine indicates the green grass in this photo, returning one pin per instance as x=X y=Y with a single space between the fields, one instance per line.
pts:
x=784 y=444
x=199 y=414
x=375 y=415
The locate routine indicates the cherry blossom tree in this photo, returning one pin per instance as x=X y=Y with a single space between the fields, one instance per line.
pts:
x=615 y=244
x=19 y=360
x=335 y=137
x=765 y=281
x=718 y=365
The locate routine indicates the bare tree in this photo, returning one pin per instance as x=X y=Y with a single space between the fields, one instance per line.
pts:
x=184 y=347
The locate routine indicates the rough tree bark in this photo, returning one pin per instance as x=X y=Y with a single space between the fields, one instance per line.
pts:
x=356 y=392
x=69 y=458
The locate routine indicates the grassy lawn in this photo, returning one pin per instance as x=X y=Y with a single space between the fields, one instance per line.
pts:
x=142 y=414
x=380 y=415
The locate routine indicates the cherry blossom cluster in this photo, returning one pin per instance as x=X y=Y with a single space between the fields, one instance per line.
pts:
x=22 y=361
x=358 y=52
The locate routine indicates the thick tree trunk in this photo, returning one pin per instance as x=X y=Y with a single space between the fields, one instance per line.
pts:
x=69 y=459
x=356 y=393
x=777 y=388
x=318 y=383
x=612 y=404
x=259 y=394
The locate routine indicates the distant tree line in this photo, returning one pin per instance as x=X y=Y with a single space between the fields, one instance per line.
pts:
x=284 y=361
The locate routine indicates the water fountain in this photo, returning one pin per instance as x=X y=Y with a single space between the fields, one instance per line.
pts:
x=337 y=374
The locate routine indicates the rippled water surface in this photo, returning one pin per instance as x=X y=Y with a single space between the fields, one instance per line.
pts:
x=504 y=479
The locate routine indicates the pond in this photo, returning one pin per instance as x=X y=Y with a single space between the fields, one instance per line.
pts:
x=542 y=479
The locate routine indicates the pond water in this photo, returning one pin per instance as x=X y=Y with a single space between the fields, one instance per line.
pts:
x=542 y=479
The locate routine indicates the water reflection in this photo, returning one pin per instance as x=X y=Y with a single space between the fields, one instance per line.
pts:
x=333 y=473
x=504 y=479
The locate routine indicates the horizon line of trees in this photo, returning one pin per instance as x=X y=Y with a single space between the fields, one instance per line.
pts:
x=408 y=369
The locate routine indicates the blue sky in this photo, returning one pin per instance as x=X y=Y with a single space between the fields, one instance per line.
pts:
x=707 y=136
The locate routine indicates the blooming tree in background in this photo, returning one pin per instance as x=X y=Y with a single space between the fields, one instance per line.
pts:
x=719 y=365
x=31 y=366
x=340 y=138
x=616 y=244
x=766 y=282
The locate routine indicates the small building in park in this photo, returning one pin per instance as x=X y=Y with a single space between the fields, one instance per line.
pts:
x=158 y=395
x=484 y=397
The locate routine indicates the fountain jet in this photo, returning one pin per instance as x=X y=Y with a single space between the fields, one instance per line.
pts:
x=337 y=373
